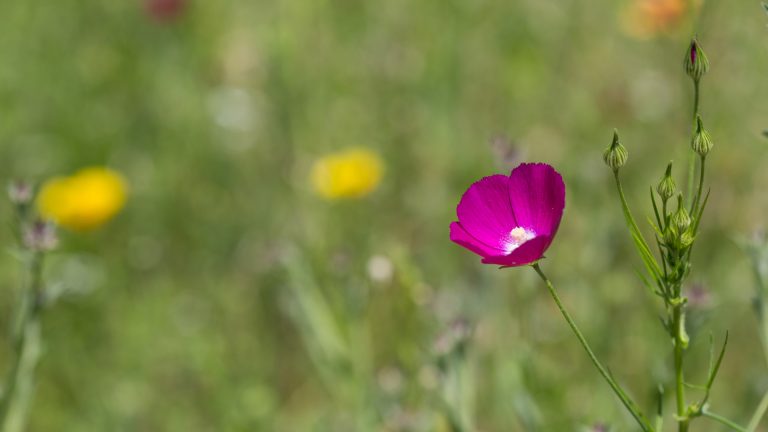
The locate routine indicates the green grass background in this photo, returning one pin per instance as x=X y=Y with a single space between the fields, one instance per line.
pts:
x=187 y=313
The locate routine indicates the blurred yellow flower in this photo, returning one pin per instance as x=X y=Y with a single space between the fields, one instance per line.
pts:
x=648 y=18
x=350 y=173
x=83 y=201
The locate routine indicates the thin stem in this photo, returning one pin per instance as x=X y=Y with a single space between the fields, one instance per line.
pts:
x=723 y=420
x=679 y=324
x=26 y=349
x=692 y=160
x=759 y=413
x=695 y=99
x=622 y=395
x=696 y=202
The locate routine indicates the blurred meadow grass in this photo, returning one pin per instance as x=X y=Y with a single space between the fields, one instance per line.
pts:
x=194 y=307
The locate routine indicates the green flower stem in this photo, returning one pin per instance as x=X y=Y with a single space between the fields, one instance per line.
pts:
x=763 y=315
x=763 y=330
x=17 y=388
x=759 y=413
x=622 y=395
x=697 y=200
x=679 y=324
x=723 y=420
x=692 y=160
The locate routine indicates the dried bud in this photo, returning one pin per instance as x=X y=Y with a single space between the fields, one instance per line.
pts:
x=696 y=63
x=616 y=155
x=20 y=192
x=702 y=140
x=41 y=236
x=681 y=220
x=667 y=188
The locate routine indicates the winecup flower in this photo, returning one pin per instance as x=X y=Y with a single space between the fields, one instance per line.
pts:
x=351 y=173
x=83 y=201
x=511 y=220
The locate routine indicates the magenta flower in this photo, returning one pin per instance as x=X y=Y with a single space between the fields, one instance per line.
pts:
x=511 y=221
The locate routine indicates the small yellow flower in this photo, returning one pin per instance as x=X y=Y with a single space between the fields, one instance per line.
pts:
x=351 y=173
x=83 y=201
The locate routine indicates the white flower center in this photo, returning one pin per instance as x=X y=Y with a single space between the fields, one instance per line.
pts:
x=517 y=236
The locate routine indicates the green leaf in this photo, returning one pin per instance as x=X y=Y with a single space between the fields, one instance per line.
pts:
x=713 y=371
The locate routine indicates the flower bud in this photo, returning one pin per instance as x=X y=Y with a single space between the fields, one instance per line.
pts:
x=681 y=220
x=20 y=192
x=667 y=188
x=702 y=140
x=670 y=235
x=41 y=236
x=686 y=240
x=696 y=62
x=616 y=155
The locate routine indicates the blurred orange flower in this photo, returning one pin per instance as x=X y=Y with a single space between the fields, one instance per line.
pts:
x=83 y=201
x=648 y=18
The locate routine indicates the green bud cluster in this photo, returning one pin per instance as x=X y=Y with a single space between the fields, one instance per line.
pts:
x=615 y=156
x=677 y=235
x=675 y=232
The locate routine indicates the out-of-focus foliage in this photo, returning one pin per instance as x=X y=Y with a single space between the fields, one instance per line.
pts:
x=227 y=295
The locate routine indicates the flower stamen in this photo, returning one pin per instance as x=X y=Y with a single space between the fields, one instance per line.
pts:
x=517 y=237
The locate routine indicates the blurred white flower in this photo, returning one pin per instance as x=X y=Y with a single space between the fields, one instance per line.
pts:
x=233 y=108
x=380 y=269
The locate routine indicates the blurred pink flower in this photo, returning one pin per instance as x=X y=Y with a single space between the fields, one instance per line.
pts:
x=164 y=10
x=511 y=221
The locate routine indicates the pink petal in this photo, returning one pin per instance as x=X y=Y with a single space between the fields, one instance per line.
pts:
x=485 y=211
x=537 y=195
x=527 y=253
x=461 y=237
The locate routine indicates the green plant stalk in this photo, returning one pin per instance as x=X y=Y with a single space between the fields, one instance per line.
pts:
x=622 y=395
x=759 y=413
x=720 y=419
x=457 y=393
x=16 y=396
x=764 y=327
x=692 y=159
x=762 y=407
x=679 y=324
x=762 y=314
x=697 y=200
